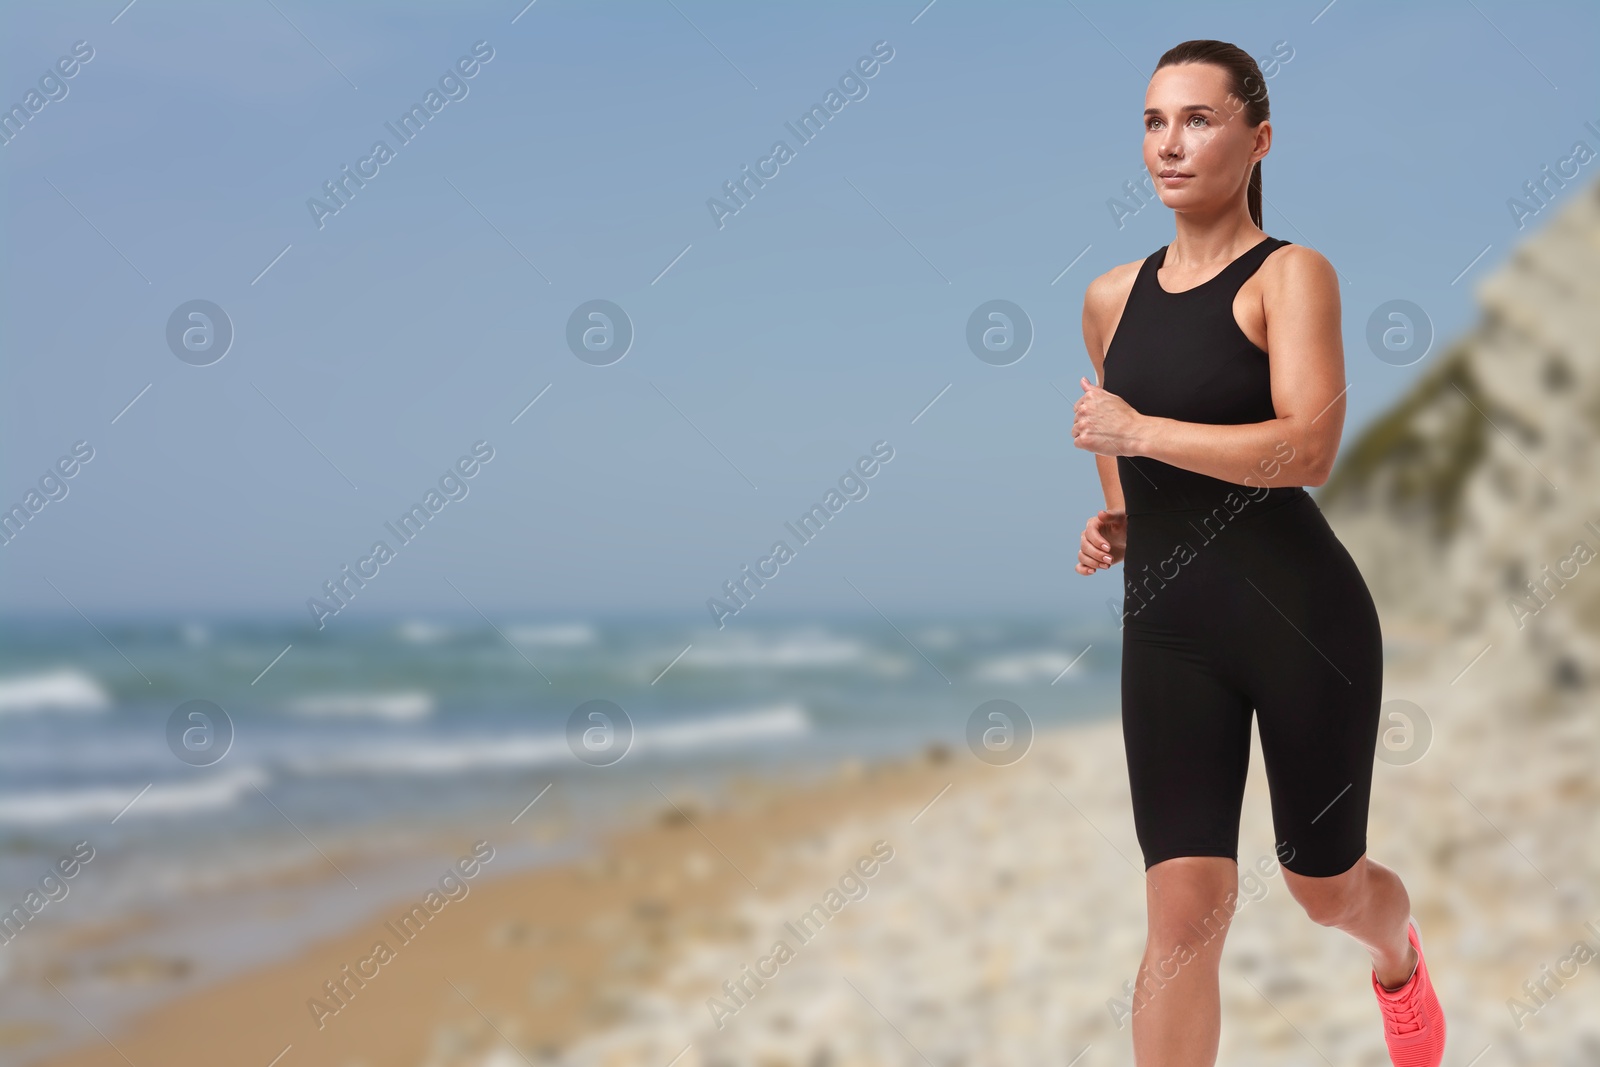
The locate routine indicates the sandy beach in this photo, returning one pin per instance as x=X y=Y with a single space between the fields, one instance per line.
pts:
x=945 y=911
x=567 y=946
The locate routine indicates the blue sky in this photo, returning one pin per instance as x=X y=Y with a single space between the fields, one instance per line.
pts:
x=769 y=355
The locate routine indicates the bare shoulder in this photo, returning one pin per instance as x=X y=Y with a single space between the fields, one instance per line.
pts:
x=1110 y=290
x=1299 y=271
x=1103 y=303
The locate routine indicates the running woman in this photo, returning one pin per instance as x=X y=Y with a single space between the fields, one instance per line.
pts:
x=1220 y=397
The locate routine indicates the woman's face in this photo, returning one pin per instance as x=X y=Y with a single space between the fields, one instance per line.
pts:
x=1197 y=146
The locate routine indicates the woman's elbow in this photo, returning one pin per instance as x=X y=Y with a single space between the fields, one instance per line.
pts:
x=1319 y=465
x=1305 y=452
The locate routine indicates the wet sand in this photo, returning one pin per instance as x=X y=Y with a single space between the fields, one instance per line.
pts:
x=558 y=947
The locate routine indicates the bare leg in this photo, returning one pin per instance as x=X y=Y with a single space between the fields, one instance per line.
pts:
x=1368 y=902
x=1177 y=1015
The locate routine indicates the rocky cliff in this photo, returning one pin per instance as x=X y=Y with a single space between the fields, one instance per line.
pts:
x=1473 y=505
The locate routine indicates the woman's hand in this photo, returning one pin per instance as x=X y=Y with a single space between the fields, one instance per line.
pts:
x=1104 y=423
x=1104 y=541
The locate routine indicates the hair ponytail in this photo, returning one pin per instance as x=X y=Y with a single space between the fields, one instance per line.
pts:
x=1253 y=197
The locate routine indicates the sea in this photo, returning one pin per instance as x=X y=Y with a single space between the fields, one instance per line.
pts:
x=247 y=786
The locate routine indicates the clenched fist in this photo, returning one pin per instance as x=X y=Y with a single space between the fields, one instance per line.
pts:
x=1103 y=423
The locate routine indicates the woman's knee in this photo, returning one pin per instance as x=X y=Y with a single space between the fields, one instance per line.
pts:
x=1329 y=901
x=1191 y=901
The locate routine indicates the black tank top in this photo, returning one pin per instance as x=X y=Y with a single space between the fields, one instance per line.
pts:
x=1183 y=356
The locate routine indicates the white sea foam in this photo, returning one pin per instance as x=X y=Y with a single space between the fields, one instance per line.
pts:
x=438 y=756
x=1019 y=667
x=417 y=632
x=802 y=650
x=561 y=634
x=404 y=706
x=939 y=637
x=95 y=802
x=456 y=756
x=66 y=689
x=783 y=720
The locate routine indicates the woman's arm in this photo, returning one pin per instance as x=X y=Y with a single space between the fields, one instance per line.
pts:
x=1104 y=539
x=1102 y=302
x=1300 y=296
x=1110 y=482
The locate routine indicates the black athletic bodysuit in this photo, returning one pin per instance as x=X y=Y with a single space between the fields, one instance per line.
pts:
x=1238 y=598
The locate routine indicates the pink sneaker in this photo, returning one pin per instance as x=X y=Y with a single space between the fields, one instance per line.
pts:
x=1413 y=1021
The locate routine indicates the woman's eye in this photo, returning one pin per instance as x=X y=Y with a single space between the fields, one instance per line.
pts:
x=1202 y=118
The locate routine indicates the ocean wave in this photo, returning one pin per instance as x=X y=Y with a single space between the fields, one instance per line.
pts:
x=436 y=756
x=407 y=706
x=806 y=651
x=106 y=751
x=417 y=632
x=783 y=720
x=1043 y=665
x=66 y=689
x=565 y=634
x=163 y=798
x=440 y=756
x=939 y=637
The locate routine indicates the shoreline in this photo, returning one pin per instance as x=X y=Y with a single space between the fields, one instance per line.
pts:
x=666 y=883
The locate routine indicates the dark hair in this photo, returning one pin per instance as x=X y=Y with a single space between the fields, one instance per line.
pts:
x=1245 y=84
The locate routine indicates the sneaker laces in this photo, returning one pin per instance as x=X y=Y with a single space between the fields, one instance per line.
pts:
x=1404 y=1013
